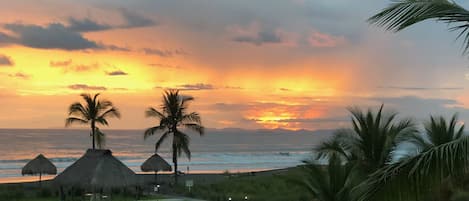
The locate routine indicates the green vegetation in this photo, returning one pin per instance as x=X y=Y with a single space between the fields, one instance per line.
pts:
x=271 y=187
x=17 y=192
x=172 y=117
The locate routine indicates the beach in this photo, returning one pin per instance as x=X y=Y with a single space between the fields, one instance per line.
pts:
x=220 y=150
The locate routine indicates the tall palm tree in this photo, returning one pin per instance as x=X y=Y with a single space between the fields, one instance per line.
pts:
x=172 y=116
x=437 y=132
x=371 y=140
x=332 y=182
x=93 y=112
x=405 y=13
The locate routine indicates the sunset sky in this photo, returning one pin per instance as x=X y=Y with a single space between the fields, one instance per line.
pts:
x=293 y=64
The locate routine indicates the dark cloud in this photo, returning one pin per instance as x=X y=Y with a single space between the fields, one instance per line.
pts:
x=6 y=61
x=60 y=63
x=20 y=75
x=315 y=120
x=114 y=47
x=134 y=20
x=116 y=73
x=67 y=67
x=163 y=53
x=53 y=36
x=190 y=87
x=86 y=25
x=165 y=66
x=421 y=88
x=195 y=87
x=86 y=87
x=262 y=37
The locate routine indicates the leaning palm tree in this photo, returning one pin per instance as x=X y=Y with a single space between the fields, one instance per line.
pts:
x=371 y=140
x=437 y=132
x=93 y=112
x=405 y=13
x=331 y=182
x=173 y=116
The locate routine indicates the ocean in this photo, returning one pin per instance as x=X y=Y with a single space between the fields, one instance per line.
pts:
x=219 y=150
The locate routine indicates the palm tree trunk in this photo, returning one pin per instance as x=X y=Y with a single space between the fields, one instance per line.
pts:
x=175 y=161
x=92 y=134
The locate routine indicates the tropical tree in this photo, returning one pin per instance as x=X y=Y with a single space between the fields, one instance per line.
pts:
x=371 y=140
x=93 y=112
x=402 y=14
x=437 y=131
x=332 y=182
x=173 y=116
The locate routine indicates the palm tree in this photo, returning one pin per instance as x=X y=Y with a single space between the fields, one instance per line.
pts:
x=173 y=116
x=371 y=140
x=437 y=132
x=443 y=159
x=93 y=112
x=332 y=182
x=405 y=13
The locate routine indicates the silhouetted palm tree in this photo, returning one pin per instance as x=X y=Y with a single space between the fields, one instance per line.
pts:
x=173 y=116
x=332 y=182
x=444 y=157
x=93 y=112
x=437 y=132
x=404 y=13
x=371 y=141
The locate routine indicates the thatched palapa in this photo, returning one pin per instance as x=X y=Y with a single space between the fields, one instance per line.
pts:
x=155 y=164
x=39 y=166
x=97 y=169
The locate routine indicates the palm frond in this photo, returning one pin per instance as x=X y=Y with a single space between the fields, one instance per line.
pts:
x=111 y=112
x=71 y=120
x=416 y=177
x=151 y=131
x=152 y=112
x=404 y=13
x=195 y=127
x=161 y=140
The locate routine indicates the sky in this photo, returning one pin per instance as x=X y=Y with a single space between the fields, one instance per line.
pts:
x=253 y=64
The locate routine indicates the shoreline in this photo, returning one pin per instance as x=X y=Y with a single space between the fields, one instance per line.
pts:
x=164 y=177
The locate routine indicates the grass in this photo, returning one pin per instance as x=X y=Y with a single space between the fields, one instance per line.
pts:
x=257 y=188
x=17 y=192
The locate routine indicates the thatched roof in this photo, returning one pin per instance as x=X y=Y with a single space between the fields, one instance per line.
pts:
x=97 y=168
x=39 y=165
x=154 y=164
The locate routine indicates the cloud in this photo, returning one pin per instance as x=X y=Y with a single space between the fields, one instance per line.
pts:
x=116 y=73
x=67 y=67
x=422 y=88
x=262 y=37
x=60 y=63
x=114 y=47
x=52 y=36
x=6 y=61
x=318 y=39
x=165 y=66
x=86 y=87
x=20 y=75
x=163 y=53
x=134 y=20
x=86 y=25
x=190 y=87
